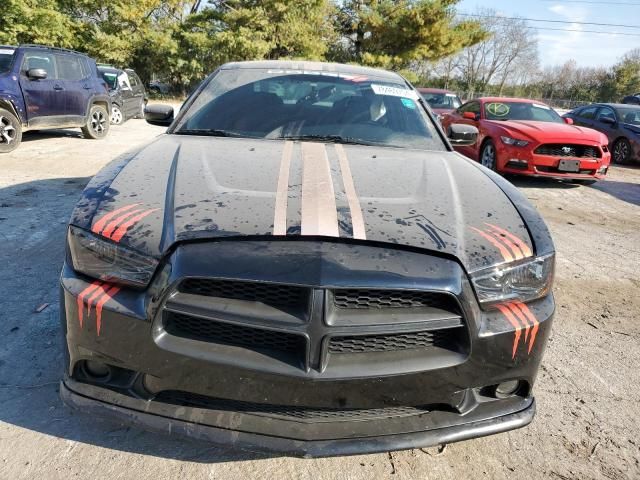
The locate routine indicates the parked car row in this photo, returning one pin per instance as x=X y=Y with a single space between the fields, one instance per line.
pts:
x=47 y=87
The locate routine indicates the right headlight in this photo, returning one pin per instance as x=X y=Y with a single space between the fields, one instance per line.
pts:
x=523 y=282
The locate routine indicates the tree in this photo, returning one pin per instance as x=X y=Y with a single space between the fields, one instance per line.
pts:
x=35 y=21
x=395 y=33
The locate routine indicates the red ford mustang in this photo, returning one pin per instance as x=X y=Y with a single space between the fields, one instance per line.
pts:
x=520 y=136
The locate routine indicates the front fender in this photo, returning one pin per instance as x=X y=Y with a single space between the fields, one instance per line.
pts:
x=15 y=104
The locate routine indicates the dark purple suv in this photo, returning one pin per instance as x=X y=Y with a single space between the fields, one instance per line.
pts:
x=46 y=87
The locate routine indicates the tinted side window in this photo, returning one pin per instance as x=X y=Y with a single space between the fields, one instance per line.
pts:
x=70 y=67
x=606 y=112
x=473 y=107
x=588 y=113
x=41 y=60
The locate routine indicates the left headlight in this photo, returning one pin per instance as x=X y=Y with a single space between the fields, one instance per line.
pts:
x=102 y=259
x=522 y=282
x=514 y=141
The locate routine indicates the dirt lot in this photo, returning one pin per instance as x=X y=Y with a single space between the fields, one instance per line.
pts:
x=588 y=422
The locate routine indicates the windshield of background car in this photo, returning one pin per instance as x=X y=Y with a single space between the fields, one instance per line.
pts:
x=537 y=112
x=630 y=115
x=6 y=59
x=442 y=100
x=280 y=104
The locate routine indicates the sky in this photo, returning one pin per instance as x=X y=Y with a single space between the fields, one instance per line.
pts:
x=557 y=47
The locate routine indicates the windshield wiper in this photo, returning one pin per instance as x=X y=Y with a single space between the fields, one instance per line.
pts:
x=211 y=133
x=330 y=139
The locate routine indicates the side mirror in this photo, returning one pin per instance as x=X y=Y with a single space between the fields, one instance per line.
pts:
x=568 y=121
x=160 y=115
x=461 y=135
x=470 y=115
x=37 y=73
x=608 y=120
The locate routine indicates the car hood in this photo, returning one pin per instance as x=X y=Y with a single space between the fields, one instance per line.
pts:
x=551 y=132
x=181 y=188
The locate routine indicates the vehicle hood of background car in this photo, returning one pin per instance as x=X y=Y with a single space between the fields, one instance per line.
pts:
x=550 y=132
x=181 y=188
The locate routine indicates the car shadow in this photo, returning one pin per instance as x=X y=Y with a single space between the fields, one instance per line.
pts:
x=33 y=223
x=625 y=191
x=539 y=182
x=35 y=135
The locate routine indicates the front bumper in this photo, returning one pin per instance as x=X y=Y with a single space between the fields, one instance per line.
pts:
x=322 y=403
x=523 y=161
x=138 y=412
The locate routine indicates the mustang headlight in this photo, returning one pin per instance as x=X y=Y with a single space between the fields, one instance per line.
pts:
x=514 y=141
x=108 y=261
x=524 y=281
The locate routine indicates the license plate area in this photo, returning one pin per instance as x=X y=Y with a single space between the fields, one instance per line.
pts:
x=569 y=166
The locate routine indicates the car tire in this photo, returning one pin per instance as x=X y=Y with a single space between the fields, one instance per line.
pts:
x=117 y=117
x=10 y=131
x=621 y=152
x=488 y=155
x=140 y=114
x=97 y=125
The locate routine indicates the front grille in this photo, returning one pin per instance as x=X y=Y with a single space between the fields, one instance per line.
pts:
x=568 y=150
x=379 y=299
x=446 y=338
x=319 y=414
x=269 y=341
x=272 y=294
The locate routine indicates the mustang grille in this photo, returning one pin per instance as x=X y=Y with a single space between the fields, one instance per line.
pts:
x=369 y=299
x=267 y=293
x=569 y=150
x=445 y=338
x=258 y=339
x=194 y=400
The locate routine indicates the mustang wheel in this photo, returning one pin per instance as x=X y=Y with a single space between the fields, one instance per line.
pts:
x=97 y=124
x=10 y=131
x=488 y=155
x=621 y=151
x=116 y=115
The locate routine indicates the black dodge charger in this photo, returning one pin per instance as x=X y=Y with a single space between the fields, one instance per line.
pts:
x=303 y=265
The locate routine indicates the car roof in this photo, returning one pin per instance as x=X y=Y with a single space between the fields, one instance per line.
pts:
x=434 y=90
x=315 y=67
x=47 y=47
x=108 y=69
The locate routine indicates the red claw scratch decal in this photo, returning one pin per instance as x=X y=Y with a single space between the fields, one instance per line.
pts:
x=520 y=316
x=98 y=294
x=510 y=247
x=114 y=225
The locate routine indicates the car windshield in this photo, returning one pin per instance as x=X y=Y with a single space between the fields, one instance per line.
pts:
x=310 y=105
x=6 y=59
x=537 y=112
x=442 y=100
x=630 y=115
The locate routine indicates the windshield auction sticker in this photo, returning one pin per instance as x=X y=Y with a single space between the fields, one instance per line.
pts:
x=393 y=91
x=6 y=51
x=498 y=109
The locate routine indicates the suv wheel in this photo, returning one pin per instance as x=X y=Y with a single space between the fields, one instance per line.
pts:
x=97 y=124
x=116 y=115
x=10 y=131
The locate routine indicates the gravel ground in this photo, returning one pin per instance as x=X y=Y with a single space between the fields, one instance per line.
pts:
x=588 y=422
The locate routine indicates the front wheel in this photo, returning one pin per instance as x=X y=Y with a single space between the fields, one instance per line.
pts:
x=116 y=115
x=488 y=155
x=10 y=131
x=621 y=151
x=97 y=124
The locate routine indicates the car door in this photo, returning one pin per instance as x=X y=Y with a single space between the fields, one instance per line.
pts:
x=126 y=93
x=43 y=98
x=585 y=117
x=138 y=93
x=472 y=106
x=73 y=73
x=607 y=122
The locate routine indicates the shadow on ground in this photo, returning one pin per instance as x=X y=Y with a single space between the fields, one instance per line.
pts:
x=33 y=221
